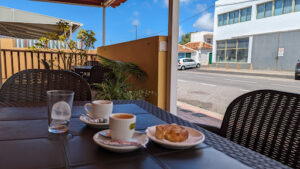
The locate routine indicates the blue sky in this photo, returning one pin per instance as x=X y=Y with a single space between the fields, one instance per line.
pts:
x=151 y=16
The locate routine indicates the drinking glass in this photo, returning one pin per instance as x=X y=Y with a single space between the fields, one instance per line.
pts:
x=59 y=110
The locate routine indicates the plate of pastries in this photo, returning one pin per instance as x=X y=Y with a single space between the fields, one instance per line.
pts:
x=174 y=136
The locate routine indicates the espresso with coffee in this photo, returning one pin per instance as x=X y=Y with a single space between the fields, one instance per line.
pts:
x=123 y=116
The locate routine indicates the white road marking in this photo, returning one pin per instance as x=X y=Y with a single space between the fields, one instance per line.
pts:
x=206 y=84
x=244 y=90
x=286 y=86
x=243 y=81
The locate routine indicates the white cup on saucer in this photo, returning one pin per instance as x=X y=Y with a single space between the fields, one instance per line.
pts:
x=122 y=126
x=99 y=109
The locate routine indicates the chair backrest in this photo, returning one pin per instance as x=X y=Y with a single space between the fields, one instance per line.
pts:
x=31 y=85
x=98 y=74
x=46 y=65
x=91 y=63
x=267 y=122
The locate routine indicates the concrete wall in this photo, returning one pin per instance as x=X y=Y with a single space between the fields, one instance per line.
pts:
x=204 y=57
x=265 y=51
x=280 y=23
x=150 y=56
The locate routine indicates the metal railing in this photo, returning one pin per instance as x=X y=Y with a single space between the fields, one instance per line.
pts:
x=15 y=60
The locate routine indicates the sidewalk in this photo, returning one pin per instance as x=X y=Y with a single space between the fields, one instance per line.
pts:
x=264 y=73
x=194 y=114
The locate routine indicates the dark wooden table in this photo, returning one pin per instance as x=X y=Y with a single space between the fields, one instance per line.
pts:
x=26 y=143
x=82 y=69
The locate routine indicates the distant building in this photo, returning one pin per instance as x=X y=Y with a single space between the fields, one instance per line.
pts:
x=199 y=48
x=202 y=37
x=262 y=34
x=186 y=52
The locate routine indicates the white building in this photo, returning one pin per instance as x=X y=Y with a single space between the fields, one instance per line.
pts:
x=203 y=36
x=253 y=32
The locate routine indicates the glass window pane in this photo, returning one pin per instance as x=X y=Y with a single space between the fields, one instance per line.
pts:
x=278 y=7
x=188 y=55
x=220 y=55
x=231 y=55
x=221 y=45
x=249 y=12
x=243 y=15
x=231 y=44
x=287 y=6
x=243 y=43
x=225 y=19
x=268 y=9
x=242 y=55
x=220 y=20
x=231 y=17
x=297 y=5
x=260 y=11
x=236 y=16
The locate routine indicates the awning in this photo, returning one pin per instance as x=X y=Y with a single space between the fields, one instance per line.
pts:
x=27 y=25
x=97 y=3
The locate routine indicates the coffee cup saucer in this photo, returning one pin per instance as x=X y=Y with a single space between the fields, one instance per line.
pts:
x=106 y=142
x=84 y=119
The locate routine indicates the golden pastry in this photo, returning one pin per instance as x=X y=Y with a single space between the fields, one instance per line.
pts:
x=171 y=132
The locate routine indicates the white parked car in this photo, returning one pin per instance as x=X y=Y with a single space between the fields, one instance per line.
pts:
x=184 y=63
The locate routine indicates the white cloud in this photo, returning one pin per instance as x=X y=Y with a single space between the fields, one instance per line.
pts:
x=200 y=8
x=135 y=22
x=136 y=13
x=155 y=1
x=206 y=21
x=181 y=32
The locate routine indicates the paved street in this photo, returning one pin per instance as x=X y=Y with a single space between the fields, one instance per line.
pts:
x=214 y=91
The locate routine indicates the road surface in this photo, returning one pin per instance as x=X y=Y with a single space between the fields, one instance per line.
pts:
x=214 y=92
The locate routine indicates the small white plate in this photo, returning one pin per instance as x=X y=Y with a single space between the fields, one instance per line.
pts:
x=195 y=138
x=137 y=136
x=94 y=125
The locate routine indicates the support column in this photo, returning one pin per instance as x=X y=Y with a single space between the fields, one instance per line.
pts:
x=103 y=28
x=173 y=32
x=0 y=65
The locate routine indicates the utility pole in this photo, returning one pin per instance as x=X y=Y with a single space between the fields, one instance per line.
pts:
x=136 y=31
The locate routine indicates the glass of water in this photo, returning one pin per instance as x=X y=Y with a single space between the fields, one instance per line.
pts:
x=59 y=110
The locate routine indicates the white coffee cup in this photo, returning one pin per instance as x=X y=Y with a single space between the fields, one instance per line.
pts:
x=99 y=108
x=122 y=126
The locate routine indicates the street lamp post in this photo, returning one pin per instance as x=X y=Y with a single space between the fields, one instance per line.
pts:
x=136 y=31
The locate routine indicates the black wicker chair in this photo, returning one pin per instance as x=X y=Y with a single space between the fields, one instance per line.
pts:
x=91 y=63
x=267 y=122
x=31 y=85
x=98 y=74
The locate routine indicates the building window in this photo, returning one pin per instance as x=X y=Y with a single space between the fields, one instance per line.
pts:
x=235 y=50
x=225 y=19
x=220 y=20
x=287 y=6
x=249 y=12
x=278 y=7
x=297 y=5
x=188 y=55
x=243 y=15
x=264 y=10
x=236 y=16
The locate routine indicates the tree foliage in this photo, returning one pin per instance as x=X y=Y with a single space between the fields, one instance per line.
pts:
x=185 y=38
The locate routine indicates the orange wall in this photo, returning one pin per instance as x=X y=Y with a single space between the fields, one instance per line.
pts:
x=147 y=55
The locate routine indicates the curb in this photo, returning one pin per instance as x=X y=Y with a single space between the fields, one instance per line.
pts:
x=195 y=109
x=245 y=73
